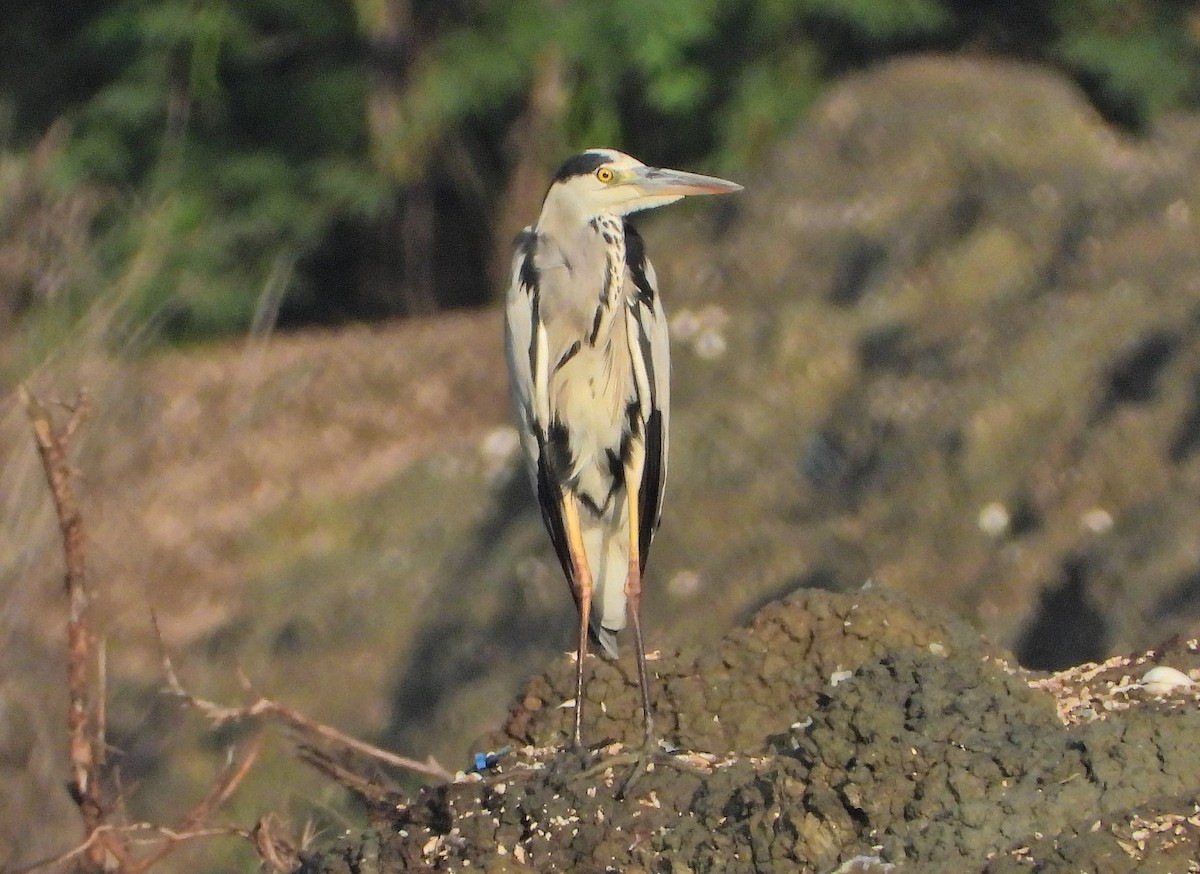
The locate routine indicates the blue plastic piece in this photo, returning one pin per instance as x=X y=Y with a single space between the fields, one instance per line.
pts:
x=484 y=761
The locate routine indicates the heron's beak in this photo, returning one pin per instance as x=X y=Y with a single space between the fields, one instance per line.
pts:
x=655 y=182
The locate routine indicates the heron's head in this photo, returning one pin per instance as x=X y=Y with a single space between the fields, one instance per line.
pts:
x=607 y=182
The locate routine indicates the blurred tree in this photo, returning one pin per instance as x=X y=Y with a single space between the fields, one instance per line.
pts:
x=373 y=157
x=1134 y=57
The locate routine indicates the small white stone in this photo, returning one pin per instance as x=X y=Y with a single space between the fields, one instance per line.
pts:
x=1179 y=214
x=684 y=584
x=937 y=649
x=685 y=325
x=710 y=344
x=994 y=519
x=864 y=863
x=840 y=677
x=1163 y=680
x=1096 y=520
x=500 y=444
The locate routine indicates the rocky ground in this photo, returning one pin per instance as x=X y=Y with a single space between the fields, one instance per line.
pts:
x=840 y=733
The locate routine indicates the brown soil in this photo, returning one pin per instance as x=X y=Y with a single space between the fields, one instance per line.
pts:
x=836 y=727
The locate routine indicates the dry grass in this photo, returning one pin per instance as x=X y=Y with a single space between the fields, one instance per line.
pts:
x=46 y=249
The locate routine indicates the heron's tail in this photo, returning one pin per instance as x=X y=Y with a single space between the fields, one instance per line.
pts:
x=608 y=557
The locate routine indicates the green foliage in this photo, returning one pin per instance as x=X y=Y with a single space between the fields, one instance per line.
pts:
x=1137 y=57
x=252 y=131
x=887 y=21
x=239 y=127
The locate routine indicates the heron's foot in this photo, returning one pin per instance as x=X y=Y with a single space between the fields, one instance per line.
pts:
x=640 y=761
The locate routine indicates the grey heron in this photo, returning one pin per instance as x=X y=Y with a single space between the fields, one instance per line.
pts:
x=586 y=341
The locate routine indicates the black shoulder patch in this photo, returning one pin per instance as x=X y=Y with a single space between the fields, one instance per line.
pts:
x=526 y=244
x=580 y=165
x=635 y=260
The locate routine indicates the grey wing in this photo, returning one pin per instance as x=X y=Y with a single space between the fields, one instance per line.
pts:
x=654 y=387
x=525 y=349
x=520 y=331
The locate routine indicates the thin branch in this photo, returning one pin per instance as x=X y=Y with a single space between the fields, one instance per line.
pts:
x=107 y=835
x=219 y=791
x=101 y=732
x=263 y=707
x=277 y=852
x=352 y=781
x=62 y=858
x=116 y=839
x=178 y=837
x=224 y=785
x=53 y=448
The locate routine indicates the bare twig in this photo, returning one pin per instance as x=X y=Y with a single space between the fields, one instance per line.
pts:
x=101 y=732
x=225 y=784
x=62 y=858
x=117 y=839
x=106 y=846
x=276 y=851
x=118 y=835
x=219 y=791
x=365 y=788
x=263 y=707
x=83 y=718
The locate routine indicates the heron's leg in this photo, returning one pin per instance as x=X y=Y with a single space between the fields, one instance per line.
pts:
x=633 y=598
x=582 y=583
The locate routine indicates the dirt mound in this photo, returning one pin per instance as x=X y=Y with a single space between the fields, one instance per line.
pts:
x=837 y=727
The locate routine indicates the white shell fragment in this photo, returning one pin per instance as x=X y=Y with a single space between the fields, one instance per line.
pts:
x=1162 y=680
x=994 y=519
x=1097 y=521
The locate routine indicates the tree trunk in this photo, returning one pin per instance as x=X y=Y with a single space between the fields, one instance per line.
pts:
x=536 y=143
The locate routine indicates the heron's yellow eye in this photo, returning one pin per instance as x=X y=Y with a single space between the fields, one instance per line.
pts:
x=605 y=175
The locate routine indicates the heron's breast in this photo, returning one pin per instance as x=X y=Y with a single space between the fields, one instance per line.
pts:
x=590 y=395
x=591 y=391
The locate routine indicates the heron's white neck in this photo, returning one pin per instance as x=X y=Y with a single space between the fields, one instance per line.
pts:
x=564 y=212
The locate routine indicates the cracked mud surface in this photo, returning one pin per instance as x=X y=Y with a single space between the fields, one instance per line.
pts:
x=930 y=753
